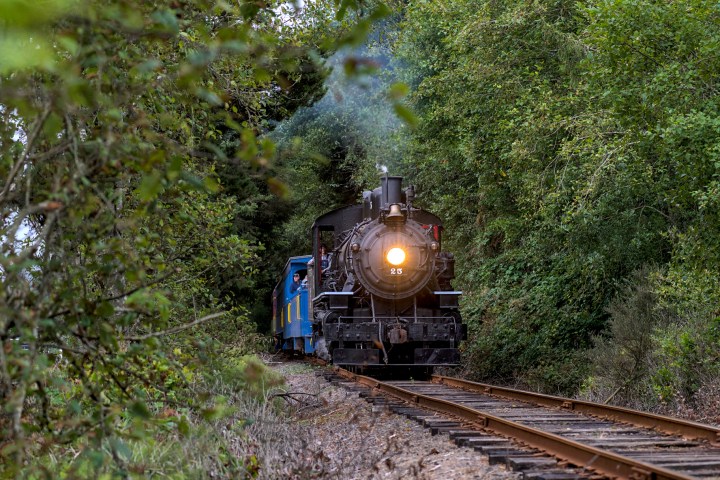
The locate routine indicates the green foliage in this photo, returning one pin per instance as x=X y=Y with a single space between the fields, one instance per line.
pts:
x=119 y=229
x=330 y=152
x=180 y=442
x=566 y=145
x=245 y=373
x=278 y=177
x=622 y=359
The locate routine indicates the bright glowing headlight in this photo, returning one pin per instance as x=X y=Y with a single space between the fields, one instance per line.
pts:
x=395 y=256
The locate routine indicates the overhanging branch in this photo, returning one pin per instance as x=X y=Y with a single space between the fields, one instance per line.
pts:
x=177 y=329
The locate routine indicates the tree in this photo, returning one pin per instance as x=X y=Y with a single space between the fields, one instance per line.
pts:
x=579 y=138
x=117 y=118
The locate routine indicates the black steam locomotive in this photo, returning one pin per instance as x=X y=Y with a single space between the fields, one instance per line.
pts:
x=381 y=296
x=385 y=296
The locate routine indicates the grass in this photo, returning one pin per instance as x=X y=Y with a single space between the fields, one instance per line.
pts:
x=229 y=430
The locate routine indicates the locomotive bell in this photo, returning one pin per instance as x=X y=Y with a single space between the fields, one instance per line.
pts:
x=395 y=214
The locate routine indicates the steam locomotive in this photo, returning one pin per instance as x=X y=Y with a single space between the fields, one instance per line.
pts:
x=381 y=296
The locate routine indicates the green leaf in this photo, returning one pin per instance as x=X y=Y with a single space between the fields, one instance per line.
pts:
x=104 y=309
x=162 y=304
x=53 y=126
x=250 y=8
x=344 y=6
x=211 y=185
x=192 y=180
x=211 y=97
x=19 y=51
x=380 y=12
x=150 y=187
x=139 y=409
x=278 y=187
x=148 y=66
x=26 y=13
x=175 y=168
x=167 y=21
x=261 y=75
x=107 y=334
x=405 y=114
x=48 y=323
x=183 y=426
x=398 y=91
x=121 y=448
x=69 y=44
x=96 y=457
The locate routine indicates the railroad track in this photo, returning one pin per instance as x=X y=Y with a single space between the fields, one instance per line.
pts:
x=553 y=438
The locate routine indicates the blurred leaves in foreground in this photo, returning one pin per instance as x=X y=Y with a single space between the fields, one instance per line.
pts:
x=123 y=249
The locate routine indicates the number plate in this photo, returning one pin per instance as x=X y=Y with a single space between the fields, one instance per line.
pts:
x=396 y=271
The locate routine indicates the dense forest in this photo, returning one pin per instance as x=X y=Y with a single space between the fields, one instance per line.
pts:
x=160 y=160
x=572 y=149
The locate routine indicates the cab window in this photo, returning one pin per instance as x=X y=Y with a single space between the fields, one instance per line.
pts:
x=296 y=281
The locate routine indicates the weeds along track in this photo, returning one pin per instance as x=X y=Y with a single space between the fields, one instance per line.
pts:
x=547 y=437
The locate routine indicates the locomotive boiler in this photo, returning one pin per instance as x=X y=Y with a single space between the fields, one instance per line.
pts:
x=381 y=294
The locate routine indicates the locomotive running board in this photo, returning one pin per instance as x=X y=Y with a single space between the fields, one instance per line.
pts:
x=449 y=299
x=337 y=300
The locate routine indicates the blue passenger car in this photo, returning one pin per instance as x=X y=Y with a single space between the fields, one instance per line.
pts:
x=292 y=310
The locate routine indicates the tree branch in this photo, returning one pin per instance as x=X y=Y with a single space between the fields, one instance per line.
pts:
x=26 y=151
x=119 y=295
x=23 y=255
x=175 y=329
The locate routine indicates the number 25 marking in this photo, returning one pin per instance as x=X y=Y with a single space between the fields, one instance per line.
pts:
x=396 y=271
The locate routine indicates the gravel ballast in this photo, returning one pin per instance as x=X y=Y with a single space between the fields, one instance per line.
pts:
x=337 y=434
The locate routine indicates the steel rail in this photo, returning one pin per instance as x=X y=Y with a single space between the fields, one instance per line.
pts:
x=675 y=426
x=604 y=462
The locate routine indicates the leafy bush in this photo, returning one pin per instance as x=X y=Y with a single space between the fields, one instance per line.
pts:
x=117 y=233
x=566 y=145
x=622 y=358
x=206 y=438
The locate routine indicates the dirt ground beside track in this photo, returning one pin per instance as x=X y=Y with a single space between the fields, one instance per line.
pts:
x=335 y=434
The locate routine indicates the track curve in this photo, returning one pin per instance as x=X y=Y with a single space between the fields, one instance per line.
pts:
x=611 y=441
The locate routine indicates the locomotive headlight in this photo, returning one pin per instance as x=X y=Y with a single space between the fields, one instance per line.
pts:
x=395 y=256
x=434 y=246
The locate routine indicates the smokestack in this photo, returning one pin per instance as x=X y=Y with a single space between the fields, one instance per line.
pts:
x=391 y=191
